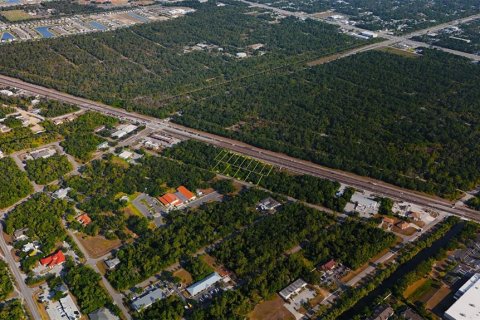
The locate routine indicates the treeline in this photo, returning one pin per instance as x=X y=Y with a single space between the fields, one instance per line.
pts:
x=302 y=187
x=12 y=310
x=197 y=268
x=80 y=141
x=6 y=286
x=139 y=67
x=44 y=171
x=415 y=130
x=336 y=242
x=258 y=257
x=185 y=233
x=42 y=216
x=84 y=283
x=474 y=202
x=20 y=138
x=53 y=108
x=14 y=184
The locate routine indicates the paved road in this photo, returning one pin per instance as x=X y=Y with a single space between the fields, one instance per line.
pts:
x=117 y=297
x=277 y=159
x=391 y=38
x=26 y=292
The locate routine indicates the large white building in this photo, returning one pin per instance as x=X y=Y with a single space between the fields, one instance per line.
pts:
x=204 y=284
x=467 y=306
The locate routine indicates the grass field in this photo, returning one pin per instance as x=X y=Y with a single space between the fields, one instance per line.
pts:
x=16 y=15
x=240 y=167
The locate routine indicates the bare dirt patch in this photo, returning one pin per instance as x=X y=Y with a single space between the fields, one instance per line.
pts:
x=98 y=246
x=271 y=310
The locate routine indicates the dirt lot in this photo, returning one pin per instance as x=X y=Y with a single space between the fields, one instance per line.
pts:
x=413 y=287
x=184 y=275
x=98 y=246
x=271 y=310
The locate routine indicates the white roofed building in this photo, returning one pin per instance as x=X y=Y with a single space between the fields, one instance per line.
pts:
x=467 y=306
x=204 y=284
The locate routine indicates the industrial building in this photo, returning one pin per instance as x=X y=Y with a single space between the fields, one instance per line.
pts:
x=204 y=284
x=467 y=306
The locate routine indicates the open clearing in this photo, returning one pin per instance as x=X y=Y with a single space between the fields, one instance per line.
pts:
x=16 y=15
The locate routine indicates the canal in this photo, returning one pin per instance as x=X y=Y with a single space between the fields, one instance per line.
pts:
x=401 y=271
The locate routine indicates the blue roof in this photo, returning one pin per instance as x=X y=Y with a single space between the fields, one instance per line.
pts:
x=204 y=284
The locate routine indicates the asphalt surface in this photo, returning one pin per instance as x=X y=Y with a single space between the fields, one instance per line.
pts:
x=26 y=292
x=274 y=158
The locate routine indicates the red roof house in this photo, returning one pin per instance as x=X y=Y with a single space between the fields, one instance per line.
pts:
x=186 y=193
x=330 y=265
x=54 y=259
x=84 y=219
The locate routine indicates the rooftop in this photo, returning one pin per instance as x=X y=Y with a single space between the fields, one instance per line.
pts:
x=292 y=288
x=467 y=305
x=204 y=284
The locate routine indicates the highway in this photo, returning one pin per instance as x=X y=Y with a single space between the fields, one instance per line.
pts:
x=26 y=292
x=390 y=39
x=277 y=159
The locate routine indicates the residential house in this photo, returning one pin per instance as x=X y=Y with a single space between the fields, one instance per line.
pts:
x=53 y=260
x=84 y=219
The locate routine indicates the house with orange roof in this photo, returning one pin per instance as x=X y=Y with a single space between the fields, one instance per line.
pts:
x=170 y=200
x=84 y=219
x=53 y=260
x=185 y=194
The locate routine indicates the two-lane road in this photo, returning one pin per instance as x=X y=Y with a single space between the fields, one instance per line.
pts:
x=26 y=292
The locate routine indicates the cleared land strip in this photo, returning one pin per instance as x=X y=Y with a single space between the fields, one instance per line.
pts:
x=277 y=159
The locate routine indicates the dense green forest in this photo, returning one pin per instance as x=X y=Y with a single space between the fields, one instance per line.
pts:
x=23 y=138
x=413 y=122
x=171 y=308
x=44 y=171
x=474 y=202
x=257 y=255
x=137 y=68
x=302 y=187
x=80 y=141
x=53 y=108
x=42 y=216
x=14 y=184
x=12 y=310
x=6 y=286
x=85 y=285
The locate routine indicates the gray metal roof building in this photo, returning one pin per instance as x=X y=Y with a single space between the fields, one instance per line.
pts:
x=204 y=284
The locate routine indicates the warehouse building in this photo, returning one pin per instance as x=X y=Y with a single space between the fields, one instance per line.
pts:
x=204 y=284
x=467 y=305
